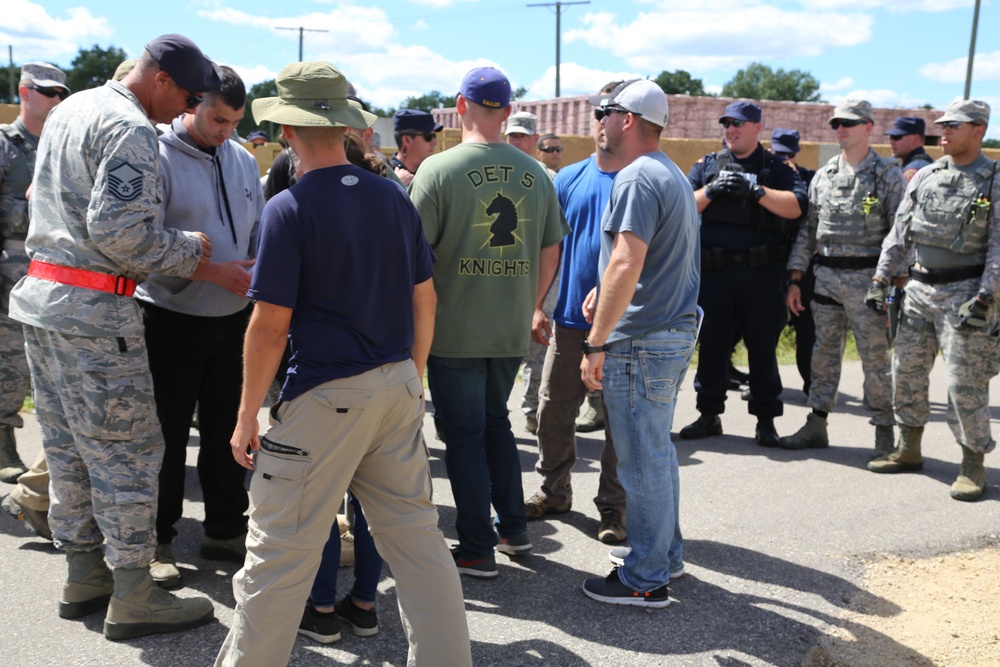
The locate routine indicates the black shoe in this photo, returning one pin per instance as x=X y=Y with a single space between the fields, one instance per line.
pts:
x=323 y=627
x=702 y=427
x=364 y=622
x=734 y=384
x=765 y=435
x=738 y=375
x=746 y=395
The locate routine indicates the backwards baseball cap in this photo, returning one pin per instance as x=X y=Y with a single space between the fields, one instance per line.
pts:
x=785 y=141
x=311 y=95
x=258 y=134
x=641 y=97
x=904 y=125
x=181 y=58
x=486 y=86
x=742 y=110
x=43 y=75
x=522 y=122
x=414 y=120
x=853 y=110
x=966 y=111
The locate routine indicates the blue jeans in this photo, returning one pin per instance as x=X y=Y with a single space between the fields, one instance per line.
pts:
x=641 y=380
x=367 y=564
x=470 y=403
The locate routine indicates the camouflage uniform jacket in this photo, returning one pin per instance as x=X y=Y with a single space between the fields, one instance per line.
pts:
x=837 y=224
x=93 y=207
x=17 y=161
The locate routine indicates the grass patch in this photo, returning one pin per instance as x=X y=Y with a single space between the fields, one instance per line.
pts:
x=785 y=350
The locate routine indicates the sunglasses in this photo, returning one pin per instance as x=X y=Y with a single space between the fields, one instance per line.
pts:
x=50 y=92
x=838 y=123
x=428 y=136
x=729 y=122
x=193 y=100
x=551 y=149
x=951 y=125
x=601 y=112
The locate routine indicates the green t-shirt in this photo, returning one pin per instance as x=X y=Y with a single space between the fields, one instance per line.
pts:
x=487 y=210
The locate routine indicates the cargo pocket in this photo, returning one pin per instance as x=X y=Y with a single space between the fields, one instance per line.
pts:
x=276 y=491
x=116 y=391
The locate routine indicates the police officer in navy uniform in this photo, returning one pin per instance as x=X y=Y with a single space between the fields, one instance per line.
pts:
x=416 y=138
x=907 y=141
x=747 y=198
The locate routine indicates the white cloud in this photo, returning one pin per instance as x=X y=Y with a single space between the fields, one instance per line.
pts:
x=880 y=98
x=891 y=5
x=699 y=38
x=254 y=75
x=45 y=36
x=985 y=67
x=438 y=4
x=825 y=87
x=420 y=25
x=574 y=80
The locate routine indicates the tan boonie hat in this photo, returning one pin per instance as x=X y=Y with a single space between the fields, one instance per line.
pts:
x=853 y=110
x=43 y=75
x=311 y=95
x=357 y=105
x=966 y=111
x=124 y=68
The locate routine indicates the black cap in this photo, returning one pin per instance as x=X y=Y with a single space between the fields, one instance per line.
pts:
x=907 y=125
x=785 y=141
x=181 y=58
x=414 y=120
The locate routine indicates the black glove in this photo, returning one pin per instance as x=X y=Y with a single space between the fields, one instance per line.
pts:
x=728 y=184
x=972 y=314
x=755 y=192
x=875 y=299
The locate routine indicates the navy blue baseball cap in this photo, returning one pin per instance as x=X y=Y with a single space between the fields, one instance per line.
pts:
x=414 y=120
x=907 y=125
x=742 y=111
x=486 y=86
x=181 y=58
x=258 y=134
x=785 y=141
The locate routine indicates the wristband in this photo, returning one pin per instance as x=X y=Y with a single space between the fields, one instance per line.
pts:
x=592 y=349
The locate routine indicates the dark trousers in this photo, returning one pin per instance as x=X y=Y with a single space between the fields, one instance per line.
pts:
x=198 y=360
x=805 y=329
x=751 y=300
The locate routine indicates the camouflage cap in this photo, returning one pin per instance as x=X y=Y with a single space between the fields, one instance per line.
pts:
x=966 y=111
x=311 y=95
x=43 y=75
x=522 y=122
x=124 y=68
x=853 y=110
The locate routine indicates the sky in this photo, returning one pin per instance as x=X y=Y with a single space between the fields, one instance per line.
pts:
x=394 y=49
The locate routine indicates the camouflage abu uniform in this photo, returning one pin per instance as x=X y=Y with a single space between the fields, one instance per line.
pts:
x=95 y=198
x=839 y=227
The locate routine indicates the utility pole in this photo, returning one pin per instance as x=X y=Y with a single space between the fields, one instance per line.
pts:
x=972 y=52
x=10 y=71
x=559 y=6
x=301 y=31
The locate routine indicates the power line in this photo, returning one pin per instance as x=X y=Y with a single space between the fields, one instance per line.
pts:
x=558 y=6
x=301 y=31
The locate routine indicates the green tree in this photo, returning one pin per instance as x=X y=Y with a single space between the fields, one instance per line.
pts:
x=247 y=125
x=5 y=93
x=680 y=82
x=92 y=67
x=518 y=93
x=432 y=100
x=760 y=82
x=991 y=143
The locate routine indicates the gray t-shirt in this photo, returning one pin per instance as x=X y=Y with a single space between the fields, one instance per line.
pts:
x=651 y=198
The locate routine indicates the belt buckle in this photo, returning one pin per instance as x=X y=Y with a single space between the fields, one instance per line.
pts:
x=121 y=286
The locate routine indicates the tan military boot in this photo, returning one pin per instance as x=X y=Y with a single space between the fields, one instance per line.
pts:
x=592 y=418
x=906 y=456
x=89 y=585
x=811 y=436
x=883 y=441
x=163 y=569
x=11 y=465
x=139 y=607
x=971 y=477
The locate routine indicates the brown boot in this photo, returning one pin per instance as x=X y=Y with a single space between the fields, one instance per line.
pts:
x=883 y=442
x=89 y=585
x=11 y=465
x=139 y=608
x=906 y=456
x=971 y=477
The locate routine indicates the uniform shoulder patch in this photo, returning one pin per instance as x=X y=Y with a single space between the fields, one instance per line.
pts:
x=125 y=182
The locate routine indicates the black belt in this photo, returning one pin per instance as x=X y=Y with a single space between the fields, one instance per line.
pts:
x=848 y=262
x=941 y=276
x=720 y=258
x=824 y=300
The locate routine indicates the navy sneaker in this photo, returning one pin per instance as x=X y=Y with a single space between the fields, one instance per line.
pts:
x=611 y=590
x=323 y=627
x=514 y=546
x=481 y=568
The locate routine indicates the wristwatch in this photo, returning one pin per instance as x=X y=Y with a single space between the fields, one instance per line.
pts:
x=592 y=349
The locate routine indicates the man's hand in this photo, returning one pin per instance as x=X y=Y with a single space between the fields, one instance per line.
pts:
x=541 y=330
x=206 y=246
x=972 y=314
x=875 y=299
x=590 y=306
x=592 y=370
x=244 y=440
x=233 y=276
x=728 y=184
x=404 y=175
x=794 y=299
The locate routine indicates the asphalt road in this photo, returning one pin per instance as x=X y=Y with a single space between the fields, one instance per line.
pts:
x=776 y=543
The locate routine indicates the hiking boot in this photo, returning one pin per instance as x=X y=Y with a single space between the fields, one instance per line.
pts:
x=11 y=465
x=233 y=549
x=364 y=622
x=514 y=546
x=883 y=442
x=347 y=549
x=612 y=527
x=163 y=569
x=592 y=418
x=321 y=626
x=811 y=436
x=88 y=586
x=37 y=522
x=531 y=423
x=610 y=589
x=906 y=456
x=480 y=568
x=139 y=608
x=538 y=506
x=765 y=434
x=617 y=557
x=702 y=427
x=971 y=480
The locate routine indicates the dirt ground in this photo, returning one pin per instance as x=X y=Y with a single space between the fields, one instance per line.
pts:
x=943 y=611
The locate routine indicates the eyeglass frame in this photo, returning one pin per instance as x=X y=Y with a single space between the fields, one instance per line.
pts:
x=551 y=149
x=600 y=113
x=50 y=91
x=733 y=122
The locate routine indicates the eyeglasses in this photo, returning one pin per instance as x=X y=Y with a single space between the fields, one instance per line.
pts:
x=193 y=100
x=838 y=123
x=428 y=136
x=551 y=149
x=951 y=125
x=601 y=112
x=729 y=122
x=51 y=92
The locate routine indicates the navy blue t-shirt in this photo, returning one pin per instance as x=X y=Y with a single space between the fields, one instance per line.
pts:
x=343 y=248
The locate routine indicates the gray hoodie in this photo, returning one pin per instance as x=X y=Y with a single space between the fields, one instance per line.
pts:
x=192 y=200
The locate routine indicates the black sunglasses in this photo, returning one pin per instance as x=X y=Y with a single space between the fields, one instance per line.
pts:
x=952 y=125
x=837 y=123
x=51 y=92
x=428 y=136
x=193 y=100
x=551 y=149
x=729 y=122
x=601 y=112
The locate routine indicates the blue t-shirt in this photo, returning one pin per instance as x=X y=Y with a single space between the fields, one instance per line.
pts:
x=651 y=198
x=583 y=192
x=343 y=248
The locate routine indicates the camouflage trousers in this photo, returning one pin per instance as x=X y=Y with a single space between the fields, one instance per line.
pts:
x=14 y=378
x=970 y=360
x=102 y=441
x=848 y=288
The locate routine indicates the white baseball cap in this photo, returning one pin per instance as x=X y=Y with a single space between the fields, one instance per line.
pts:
x=642 y=97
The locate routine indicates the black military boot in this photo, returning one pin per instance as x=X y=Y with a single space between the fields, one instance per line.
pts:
x=705 y=425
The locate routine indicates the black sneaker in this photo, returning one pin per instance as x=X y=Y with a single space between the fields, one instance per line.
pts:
x=323 y=627
x=610 y=589
x=514 y=546
x=702 y=427
x=481 y=568
x=364 y=622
